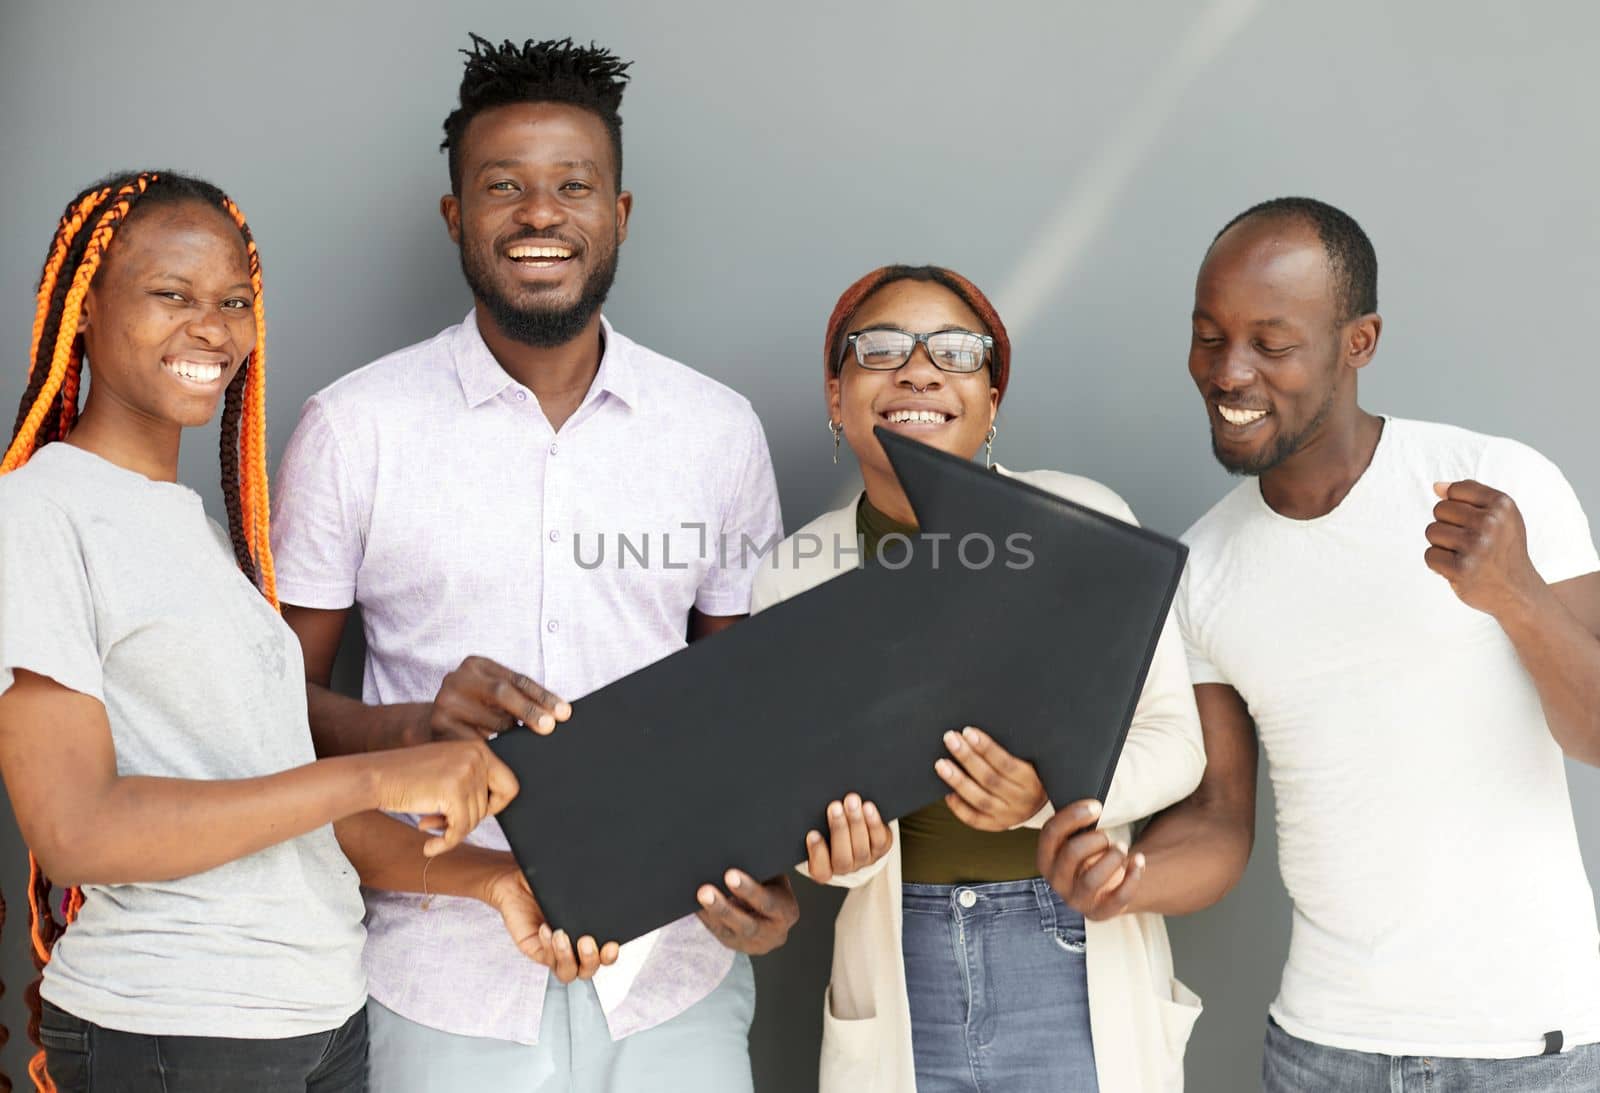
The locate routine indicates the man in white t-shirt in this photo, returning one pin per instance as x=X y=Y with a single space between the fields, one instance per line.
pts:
x=1405 y=616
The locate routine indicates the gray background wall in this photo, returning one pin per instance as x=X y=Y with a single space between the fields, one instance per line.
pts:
x=1072 y=157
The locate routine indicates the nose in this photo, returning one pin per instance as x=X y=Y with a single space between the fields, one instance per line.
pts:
x=208 y=325
x=919 y=371
x=1231 y=370
x=539 y=209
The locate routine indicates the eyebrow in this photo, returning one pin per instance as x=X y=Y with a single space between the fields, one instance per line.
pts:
x=182 y=280
x=512 y=163
x=936 y=330
x=1277 y=324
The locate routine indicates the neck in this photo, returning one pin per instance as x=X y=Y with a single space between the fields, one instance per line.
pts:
x=885 y=495
x=559 y=375
x=1314 y=480
x=131 y=440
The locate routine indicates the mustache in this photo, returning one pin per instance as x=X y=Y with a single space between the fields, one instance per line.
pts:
x=535 y=236
x=1233 y=404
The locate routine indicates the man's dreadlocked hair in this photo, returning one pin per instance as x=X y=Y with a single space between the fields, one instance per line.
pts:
x=50 y=408
x=555 y=71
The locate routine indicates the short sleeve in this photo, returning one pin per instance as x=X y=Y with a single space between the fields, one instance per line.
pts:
x=1559 y=541
x=317 y=537
x=47 y=615
x=752 y=526
x=1201 y=670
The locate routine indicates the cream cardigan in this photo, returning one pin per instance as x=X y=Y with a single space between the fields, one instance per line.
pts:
x=1139 y=1014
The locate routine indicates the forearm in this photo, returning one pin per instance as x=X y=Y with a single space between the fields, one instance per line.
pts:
x=1563 y=658
x=146 y=830
x=387 y=854
x=1193 y=857
x=346 y=726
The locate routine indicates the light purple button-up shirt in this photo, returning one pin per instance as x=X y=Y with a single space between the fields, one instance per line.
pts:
x=429 y=489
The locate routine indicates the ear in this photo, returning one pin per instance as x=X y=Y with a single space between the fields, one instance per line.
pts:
x=994 y=405
x=624 y=210
x=83 y=311
x=1361 y=340
x=450 y=209
x=833 y=389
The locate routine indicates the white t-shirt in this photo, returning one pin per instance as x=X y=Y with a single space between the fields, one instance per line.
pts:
x=1425 y=832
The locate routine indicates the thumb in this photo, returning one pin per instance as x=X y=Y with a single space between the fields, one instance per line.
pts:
x=1442 y=489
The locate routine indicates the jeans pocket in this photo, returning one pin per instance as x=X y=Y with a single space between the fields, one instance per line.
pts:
x=1070 y=938
x=59 y=1029
x=66 y=1049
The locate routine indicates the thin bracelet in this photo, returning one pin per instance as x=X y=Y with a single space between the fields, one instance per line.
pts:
x=427 y=900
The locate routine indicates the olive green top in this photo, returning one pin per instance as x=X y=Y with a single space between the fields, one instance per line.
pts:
x=935 y=847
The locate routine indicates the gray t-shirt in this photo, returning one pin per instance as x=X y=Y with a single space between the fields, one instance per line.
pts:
x=122 y=589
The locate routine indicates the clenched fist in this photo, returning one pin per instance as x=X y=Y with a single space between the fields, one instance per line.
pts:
x=1478 y=543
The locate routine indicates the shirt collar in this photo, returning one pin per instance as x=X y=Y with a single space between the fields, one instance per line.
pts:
x=482 y=378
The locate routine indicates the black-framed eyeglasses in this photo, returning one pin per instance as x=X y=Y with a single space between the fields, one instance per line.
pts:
x=885 y=349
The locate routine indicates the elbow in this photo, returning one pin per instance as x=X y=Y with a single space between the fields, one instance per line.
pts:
x=1577 y=737
x=1584 y=749
x=72 y=848
x=1194 y=765
x=61 y=858
x=1238 y=836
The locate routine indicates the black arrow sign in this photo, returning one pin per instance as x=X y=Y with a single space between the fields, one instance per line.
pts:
x=724 y=754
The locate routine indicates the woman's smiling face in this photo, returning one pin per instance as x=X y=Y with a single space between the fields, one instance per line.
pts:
x=951 y=411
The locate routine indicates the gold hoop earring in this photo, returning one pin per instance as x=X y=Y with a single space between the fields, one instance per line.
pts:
x=988 y=449
x=837 y=429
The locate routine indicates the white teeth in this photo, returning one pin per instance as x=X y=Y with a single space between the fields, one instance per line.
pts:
x=922 y=417
x=196 y=370
x=525 y=251
x=1240 y=417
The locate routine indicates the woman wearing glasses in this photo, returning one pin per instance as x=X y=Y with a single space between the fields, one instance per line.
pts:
x=956 y=967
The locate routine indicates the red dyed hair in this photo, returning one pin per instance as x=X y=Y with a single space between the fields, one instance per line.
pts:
x=970 y=294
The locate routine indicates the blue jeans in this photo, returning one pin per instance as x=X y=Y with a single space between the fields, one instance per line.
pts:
x=705 y=1049
x=999 y=997
x=1293 y=1065
x=85 y=1058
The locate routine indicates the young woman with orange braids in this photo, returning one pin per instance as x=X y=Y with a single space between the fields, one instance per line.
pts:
x=153 y=733
x=956 y=968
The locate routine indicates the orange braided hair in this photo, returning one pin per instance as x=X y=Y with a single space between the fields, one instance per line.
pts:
x=49 y=409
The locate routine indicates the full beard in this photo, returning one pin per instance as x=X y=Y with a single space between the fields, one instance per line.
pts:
x=540 y=327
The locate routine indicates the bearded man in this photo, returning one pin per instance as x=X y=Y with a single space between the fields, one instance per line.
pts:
x=442 y=491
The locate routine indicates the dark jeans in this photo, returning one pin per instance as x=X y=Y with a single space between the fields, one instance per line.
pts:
x=85 y=1058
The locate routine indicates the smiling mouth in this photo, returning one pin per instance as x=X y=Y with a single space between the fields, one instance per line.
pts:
x=540 y=255
x=204 y=373
x=916 y=417
x=1238 y=417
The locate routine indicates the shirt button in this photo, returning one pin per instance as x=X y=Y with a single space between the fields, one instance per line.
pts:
x=553 y=447
x=551 y=626
x=554 y=536
x=522 y=396
x=967 y=898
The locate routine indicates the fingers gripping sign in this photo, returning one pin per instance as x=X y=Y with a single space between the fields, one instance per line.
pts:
x=482 y=698
x=749 y=917
x=991 y=789
x=1089 y=872
x=857 y=837
x=1478 y=543
x=452 y=785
